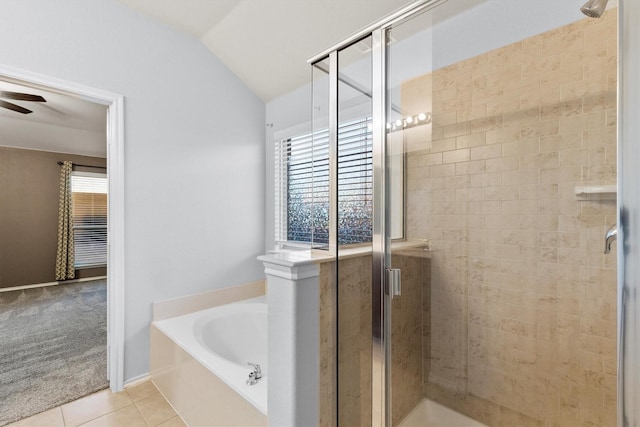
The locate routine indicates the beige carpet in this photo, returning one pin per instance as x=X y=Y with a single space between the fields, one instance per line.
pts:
x=53 y=347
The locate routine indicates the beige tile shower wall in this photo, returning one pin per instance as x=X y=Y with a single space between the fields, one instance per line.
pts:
x=354 y=339
x=328 y=339
x=523 y=302
x=352 y=309
x=409 y=320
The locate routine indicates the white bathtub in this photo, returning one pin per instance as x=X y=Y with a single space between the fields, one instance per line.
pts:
x=225 y=339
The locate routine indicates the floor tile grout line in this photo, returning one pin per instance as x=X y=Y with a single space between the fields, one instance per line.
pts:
x=153 y=394
x=156 y=393
x=64 y=422
x=141 y=414
x=108 y=413
x=169 y=402
x=99 y=416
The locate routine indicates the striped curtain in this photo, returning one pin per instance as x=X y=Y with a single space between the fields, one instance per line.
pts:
x=65 y=253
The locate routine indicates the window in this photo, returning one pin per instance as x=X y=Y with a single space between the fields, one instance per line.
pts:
x=89 y=201
x=302 y=185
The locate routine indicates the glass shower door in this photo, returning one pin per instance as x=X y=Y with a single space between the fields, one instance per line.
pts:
x=409 y=136
x=500 y=186
x=354 y=204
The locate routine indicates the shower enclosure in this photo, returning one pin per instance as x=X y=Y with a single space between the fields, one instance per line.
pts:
x=472 y=163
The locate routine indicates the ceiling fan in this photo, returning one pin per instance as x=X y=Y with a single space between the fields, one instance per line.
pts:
x=17 y=96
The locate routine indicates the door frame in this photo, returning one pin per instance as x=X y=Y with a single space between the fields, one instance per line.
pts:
x=115 y=209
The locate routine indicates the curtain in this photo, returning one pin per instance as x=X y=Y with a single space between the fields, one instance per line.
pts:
x=65 y=253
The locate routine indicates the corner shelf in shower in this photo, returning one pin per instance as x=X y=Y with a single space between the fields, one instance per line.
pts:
x=596 y=192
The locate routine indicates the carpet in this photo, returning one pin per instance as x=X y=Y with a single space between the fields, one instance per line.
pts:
x=53 y=347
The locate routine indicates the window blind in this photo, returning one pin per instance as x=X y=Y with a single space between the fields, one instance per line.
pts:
x=302 y=185
x=355 y=182
x=89 y=201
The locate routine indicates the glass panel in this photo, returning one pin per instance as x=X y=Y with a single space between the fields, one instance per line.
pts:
x=409 y=131
x=508 y=308
x=319 y=228
x=313 y=213
x=354 y=225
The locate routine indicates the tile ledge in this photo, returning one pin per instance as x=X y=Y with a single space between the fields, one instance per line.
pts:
x=297 y=258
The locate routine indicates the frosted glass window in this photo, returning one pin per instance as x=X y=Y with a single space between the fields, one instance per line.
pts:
x=302 y=185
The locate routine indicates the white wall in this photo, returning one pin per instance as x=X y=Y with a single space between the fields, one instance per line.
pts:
x=194 y=147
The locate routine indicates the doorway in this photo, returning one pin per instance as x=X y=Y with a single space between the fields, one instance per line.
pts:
x=115 y=228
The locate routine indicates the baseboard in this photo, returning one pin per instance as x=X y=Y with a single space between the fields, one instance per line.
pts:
x=137 y=380
x=42 y=285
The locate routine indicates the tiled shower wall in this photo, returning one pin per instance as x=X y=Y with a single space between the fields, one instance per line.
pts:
x=348 y=303
x=522 y=298
x=354 y=325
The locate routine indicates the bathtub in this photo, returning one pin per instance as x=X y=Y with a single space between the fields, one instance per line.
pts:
x=224 y=340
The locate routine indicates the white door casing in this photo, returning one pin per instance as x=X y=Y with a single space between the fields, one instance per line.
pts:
x=115 y=209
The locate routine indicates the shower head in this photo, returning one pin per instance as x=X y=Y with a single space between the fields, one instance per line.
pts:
x=594 y=8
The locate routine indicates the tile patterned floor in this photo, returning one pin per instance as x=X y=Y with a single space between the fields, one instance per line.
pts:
x=141 y=405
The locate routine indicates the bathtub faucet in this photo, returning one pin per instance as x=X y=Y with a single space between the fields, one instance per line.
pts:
x=254 y=375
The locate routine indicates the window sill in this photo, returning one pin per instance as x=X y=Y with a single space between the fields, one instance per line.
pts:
x=86 y=267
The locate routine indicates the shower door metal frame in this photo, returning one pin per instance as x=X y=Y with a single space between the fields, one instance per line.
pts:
x=628 y=204
x=381 y=308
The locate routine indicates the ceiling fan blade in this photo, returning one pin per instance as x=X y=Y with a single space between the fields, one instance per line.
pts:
x=14 y=107
x=22 y=96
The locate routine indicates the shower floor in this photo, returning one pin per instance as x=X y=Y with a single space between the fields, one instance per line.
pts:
x=431 y=414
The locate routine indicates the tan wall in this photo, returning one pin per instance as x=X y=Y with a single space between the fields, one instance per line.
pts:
x=523 y=301
x=354 y=341
x=29 y=182
x=328 y=338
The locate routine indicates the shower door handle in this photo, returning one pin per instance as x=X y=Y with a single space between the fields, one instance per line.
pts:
x=394 y=280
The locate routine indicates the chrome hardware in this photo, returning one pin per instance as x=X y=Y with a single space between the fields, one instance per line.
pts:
x=395 y=282
x=254 y=375
x=611 y=235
